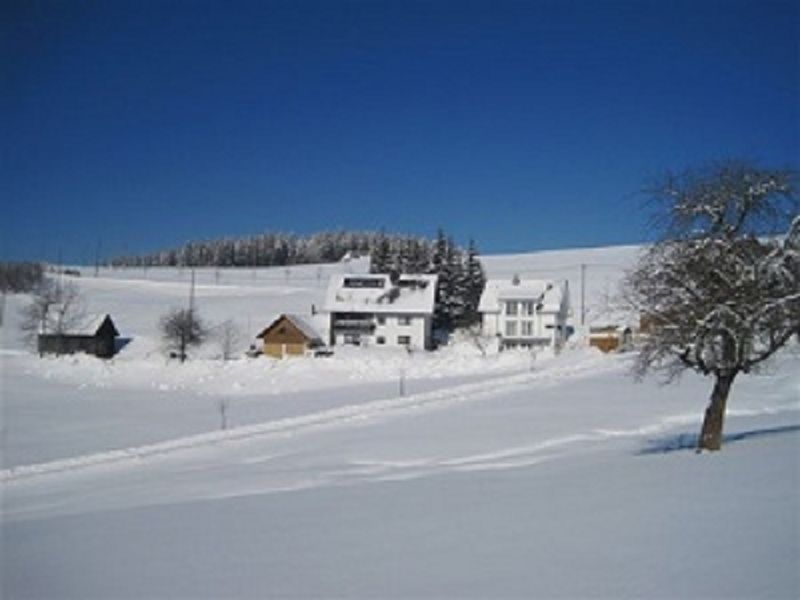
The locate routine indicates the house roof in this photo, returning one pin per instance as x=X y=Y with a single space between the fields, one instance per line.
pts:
x=552 y=295
x=376 y=293
x=88 y=325
x=302 y=325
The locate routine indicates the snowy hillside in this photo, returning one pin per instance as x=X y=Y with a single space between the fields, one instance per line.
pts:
x=377 y=473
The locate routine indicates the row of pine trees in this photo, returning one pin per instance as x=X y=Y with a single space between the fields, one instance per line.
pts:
x=461 y=276
x=262 y=250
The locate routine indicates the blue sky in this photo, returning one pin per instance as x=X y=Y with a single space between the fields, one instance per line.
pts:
x=526 y=125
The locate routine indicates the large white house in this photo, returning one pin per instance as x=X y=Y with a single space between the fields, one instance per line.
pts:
x=382 y=311
x=525 y=313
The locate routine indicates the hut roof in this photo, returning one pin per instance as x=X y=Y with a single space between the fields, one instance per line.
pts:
x=88 y=325
x=302 y=325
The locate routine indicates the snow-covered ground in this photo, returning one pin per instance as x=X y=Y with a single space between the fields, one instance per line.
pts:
x=490 y=476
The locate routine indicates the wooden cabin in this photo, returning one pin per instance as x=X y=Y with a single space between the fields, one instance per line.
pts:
x=97 y=336
x=289 y=335
x=611 y=338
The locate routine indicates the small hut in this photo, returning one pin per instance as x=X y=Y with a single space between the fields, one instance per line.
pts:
x=96 y=336
x=611 y=338
x=290 y=335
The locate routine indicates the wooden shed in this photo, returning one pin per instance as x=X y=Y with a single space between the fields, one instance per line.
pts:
x=289 y=335
x=611 y=338
x=97 y=336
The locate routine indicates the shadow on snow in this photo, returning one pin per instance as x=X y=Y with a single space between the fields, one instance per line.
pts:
x=688 y=441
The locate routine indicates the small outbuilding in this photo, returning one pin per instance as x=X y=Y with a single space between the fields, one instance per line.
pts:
x=290 y=335
x=96 y=336
x=611 y=338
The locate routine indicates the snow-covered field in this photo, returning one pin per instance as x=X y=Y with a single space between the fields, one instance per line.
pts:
x=490 y=476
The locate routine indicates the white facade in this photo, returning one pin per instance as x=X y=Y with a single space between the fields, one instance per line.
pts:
x=367 y=310
x=525 y=313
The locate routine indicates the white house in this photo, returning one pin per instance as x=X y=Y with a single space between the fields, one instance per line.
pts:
x=377 y=310
x=525 y=313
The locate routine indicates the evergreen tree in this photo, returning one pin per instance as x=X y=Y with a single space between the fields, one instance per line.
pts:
x=475 y=281
x=380 y=256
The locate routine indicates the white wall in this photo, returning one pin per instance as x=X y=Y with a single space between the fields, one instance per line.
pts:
x=392 y=329
x=495 y=324
x=419 y=329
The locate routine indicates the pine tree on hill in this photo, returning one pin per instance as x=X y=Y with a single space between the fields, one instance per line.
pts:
x=380 y=256
x=475 y=282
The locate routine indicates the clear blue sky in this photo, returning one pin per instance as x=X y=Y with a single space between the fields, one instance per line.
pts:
x=526 y=125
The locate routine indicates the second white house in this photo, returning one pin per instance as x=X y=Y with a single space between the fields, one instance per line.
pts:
x=525 y=313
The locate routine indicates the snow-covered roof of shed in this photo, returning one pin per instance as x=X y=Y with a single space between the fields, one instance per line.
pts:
x=88 y=325
x=550 y=293
x=375 y=293
x=305 y=327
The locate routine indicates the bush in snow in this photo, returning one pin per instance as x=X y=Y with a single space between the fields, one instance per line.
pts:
x=181 y=329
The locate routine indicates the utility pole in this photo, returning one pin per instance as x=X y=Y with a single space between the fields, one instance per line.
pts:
x=191 y=294
x=583 y=293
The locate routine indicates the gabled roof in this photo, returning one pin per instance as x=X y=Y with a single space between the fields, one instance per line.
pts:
x=302 y=325
x=376 y=293
x=89 y=325
x=550 y=294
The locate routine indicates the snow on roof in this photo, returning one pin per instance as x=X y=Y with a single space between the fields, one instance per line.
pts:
x=412 y=294
x=88 y=325
x=305 y=327
x=550 y=294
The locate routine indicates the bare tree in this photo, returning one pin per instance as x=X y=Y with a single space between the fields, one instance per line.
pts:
x=229 y=337
x=55 y=308
x=181 y=329
x=722 y=300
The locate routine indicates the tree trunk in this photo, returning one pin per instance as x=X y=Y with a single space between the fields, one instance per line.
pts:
x=711 y=433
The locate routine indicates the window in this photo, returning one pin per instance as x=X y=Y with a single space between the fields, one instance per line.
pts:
x=381 y=320
x=511 y=328
x=512 y=307
x=364 y=282
x=404 y=340
x=380 y=340
x=527 y=308
x=527 y=328
x=413 y=284
x=404 y=321
x=352 y=338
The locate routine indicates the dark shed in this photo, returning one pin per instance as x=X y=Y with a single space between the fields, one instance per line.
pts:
x=97 y=337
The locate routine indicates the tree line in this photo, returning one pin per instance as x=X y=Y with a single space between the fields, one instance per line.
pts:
x=19 y=277
x=461 y=275
x=262 y=250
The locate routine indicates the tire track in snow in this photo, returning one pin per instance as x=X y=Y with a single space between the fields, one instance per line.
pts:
x=354 y=414
x=532 y=454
